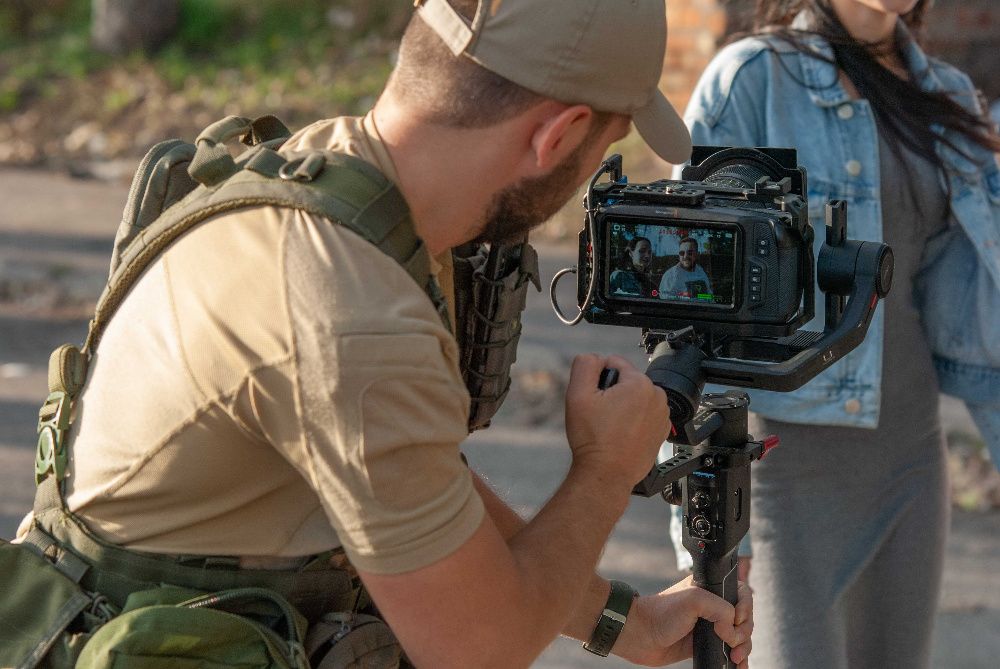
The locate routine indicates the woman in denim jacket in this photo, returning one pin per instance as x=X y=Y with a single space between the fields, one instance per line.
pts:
x=850 y=515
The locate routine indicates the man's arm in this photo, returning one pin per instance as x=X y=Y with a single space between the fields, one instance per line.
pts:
x=640 y=640
x=497 y=602
x=509 y=523
x=666 y=283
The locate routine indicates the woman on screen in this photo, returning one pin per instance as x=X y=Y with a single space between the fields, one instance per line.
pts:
x=632 y=276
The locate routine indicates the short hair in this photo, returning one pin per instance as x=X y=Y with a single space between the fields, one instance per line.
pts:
x=688 y=239
x=455 y=91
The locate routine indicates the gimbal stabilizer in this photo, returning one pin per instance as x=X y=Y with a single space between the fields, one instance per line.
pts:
x=709 y=475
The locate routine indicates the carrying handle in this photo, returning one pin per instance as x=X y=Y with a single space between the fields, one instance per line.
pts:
x=212 y=163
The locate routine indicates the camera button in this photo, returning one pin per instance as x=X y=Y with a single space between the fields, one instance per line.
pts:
x=845 y=111
x=852 y=406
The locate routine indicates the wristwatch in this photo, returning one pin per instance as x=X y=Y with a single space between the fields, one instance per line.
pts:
x=612 y=619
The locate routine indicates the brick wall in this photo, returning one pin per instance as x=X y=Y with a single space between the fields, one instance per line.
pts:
x=695 y=29
x=966 y=33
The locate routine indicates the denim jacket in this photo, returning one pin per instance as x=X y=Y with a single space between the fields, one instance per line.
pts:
x=752 y=96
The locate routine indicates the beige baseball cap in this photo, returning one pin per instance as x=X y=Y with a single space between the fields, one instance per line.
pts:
x=607 y=54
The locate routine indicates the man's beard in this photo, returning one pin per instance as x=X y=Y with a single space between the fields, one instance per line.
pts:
x=517 y=209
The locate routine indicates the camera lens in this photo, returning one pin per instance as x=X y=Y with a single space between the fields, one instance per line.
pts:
x=737 y=175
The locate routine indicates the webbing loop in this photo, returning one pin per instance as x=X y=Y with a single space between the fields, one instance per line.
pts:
x=303 y=169
x=212 y=164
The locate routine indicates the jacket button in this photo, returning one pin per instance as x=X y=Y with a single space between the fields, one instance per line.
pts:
x=852 y=406
x=853 y=167
x=845 y=111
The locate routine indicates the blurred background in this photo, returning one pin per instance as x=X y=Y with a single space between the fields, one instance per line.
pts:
x=87 y=86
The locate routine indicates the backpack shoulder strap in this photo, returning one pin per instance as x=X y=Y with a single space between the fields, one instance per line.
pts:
x=341 y=188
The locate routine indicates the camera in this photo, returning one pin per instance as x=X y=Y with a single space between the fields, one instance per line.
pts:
x=727 y=249
x=718 y=267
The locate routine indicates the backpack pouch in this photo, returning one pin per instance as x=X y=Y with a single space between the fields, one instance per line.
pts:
x=200 y=633
x=39 y=602
x=353 y=641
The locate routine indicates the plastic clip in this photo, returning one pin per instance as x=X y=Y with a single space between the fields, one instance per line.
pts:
x=53 y=421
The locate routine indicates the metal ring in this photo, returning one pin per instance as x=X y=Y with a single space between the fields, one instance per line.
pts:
x=288 y=171
x=303 y=169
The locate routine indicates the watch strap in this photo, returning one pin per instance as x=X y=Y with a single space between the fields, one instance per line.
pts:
x=612 y=619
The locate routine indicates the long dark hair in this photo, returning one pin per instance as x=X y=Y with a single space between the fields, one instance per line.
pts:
x=904 y=111
x=625 y=260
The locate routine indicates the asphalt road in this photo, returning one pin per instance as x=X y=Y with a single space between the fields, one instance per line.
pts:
x=58 y=231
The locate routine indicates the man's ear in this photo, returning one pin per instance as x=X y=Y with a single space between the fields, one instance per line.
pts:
x=559 y=133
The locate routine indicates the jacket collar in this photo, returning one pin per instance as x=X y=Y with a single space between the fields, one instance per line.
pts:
x=820 y=72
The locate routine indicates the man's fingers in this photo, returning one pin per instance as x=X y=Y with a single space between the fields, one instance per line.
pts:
x=585 y=372
x=744 y=568
x=721 y=613
x=739 y=654
x=744 y=606
x=744 y=626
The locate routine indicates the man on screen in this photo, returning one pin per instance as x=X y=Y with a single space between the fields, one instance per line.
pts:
x=686 y=279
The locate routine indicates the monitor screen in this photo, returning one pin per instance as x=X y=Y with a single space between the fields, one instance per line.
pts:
x=675 y=262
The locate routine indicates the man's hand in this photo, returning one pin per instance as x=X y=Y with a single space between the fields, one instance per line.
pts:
x=618 y=429
x=659 y=629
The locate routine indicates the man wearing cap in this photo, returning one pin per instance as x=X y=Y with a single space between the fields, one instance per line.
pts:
x=308 y=395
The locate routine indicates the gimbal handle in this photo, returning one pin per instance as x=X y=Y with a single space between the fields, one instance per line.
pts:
x=709 y=477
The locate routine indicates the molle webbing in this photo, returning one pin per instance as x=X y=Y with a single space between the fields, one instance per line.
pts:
x=488 y=313
x=341 y=188
x=116 y=572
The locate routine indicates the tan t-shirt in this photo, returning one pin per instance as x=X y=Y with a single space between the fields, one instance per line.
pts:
x=275 y=386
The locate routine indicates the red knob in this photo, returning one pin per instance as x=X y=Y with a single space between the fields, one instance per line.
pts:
x=769 y=443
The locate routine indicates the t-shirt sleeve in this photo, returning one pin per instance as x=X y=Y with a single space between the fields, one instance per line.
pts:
x=380 y=405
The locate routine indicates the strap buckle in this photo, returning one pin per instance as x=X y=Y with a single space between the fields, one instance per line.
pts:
x=53 y=422
x=612 y=619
